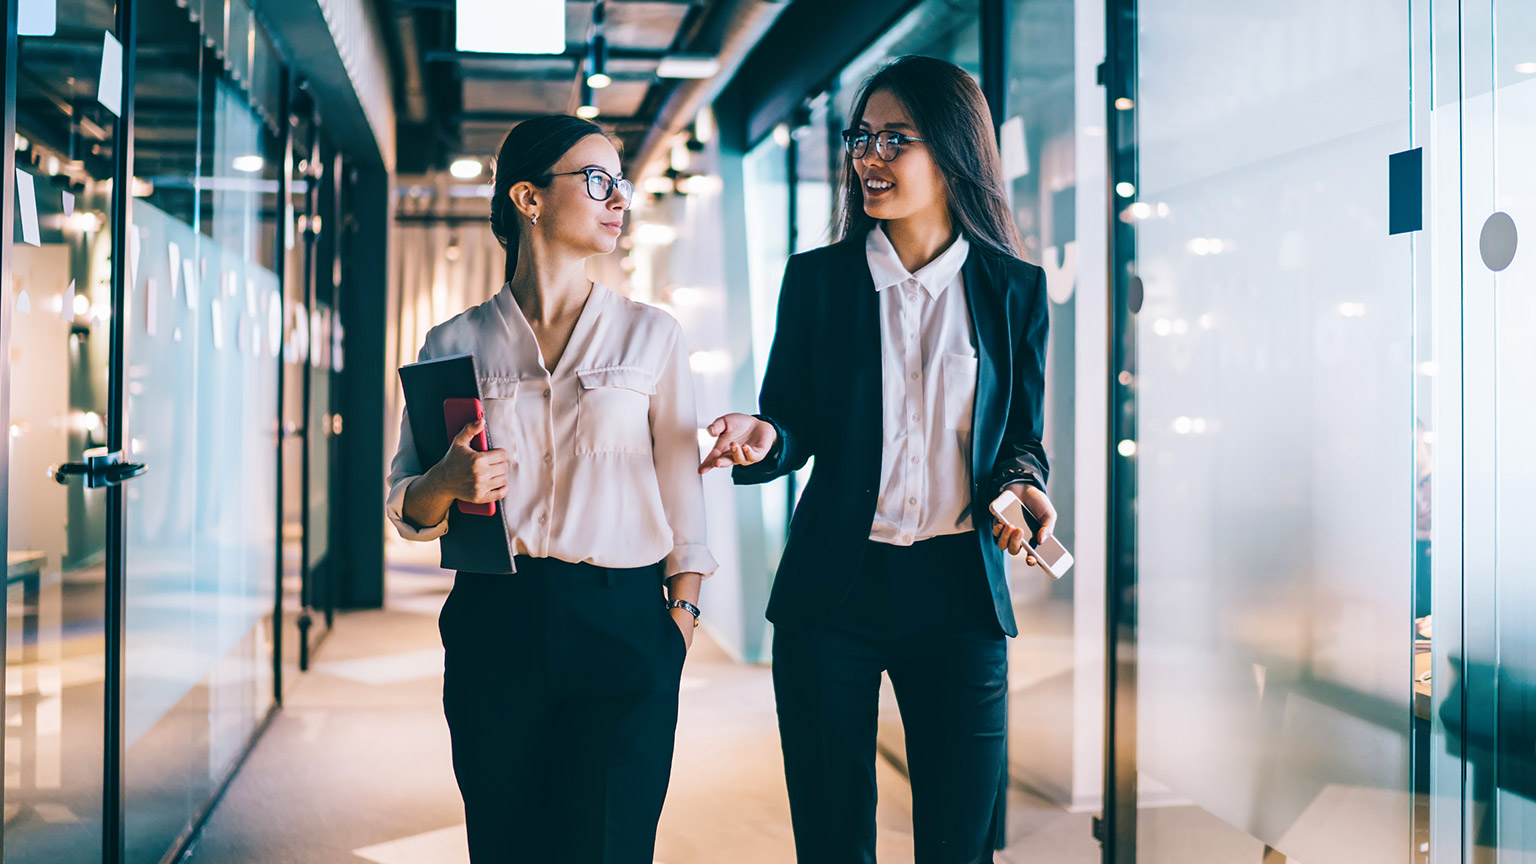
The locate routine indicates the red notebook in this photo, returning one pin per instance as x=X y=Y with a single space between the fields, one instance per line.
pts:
x=459 y=412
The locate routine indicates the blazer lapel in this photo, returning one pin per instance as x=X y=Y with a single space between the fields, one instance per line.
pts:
x=862 y=340
x=989 y=326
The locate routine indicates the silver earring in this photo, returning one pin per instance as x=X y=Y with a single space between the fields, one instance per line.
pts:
x=535 y=219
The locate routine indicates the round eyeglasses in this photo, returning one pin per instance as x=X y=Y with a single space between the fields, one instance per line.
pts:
x=601 y=185
x=887 y=144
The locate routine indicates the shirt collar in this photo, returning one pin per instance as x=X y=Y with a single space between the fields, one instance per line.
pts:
x=886 y=269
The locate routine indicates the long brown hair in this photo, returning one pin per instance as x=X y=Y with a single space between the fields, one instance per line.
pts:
x=952 y=117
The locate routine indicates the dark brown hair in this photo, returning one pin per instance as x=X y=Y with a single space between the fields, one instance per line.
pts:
x=530 y=149
x=952 y=117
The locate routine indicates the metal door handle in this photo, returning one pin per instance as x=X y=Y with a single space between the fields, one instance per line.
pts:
x=99 y=469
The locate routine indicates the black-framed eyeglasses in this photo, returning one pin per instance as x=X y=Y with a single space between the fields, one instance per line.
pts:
x=887 y=144
x=601 y=185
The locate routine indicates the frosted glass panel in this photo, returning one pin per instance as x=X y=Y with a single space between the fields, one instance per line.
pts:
x=1275 y=464
x=1513 y=825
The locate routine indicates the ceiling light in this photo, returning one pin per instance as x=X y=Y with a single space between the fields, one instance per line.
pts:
x=250 y=163
x=466 y=169
x=597 y=62
x=499 y=27
x=688 y=66
x=588 y=109
x=659 y=185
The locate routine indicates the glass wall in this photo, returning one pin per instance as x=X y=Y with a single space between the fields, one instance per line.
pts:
x=58 y=313
x=1485 y=712
x=766 y=170
x=202 y=393
x=1051 y=142
x=1275 y=415
x=202 y=337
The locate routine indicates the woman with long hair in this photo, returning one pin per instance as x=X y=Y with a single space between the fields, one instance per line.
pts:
x=561 y=678
x=909 y=361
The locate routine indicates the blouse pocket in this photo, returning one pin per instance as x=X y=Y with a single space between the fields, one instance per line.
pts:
x=959 y=394
x=498 y=396
x=613 y=411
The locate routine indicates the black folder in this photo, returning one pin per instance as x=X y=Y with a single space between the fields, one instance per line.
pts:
x=479 y=544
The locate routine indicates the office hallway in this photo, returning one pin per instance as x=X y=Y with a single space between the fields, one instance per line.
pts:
x=356 y=766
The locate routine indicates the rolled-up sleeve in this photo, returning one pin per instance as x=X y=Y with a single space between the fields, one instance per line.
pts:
x=675 y=448
x=403 y=471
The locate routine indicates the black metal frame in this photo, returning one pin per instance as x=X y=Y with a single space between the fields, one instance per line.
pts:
x=112 y=823
x=1117 y=829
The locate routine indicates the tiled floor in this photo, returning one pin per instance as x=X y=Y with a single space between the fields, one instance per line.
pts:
x=356 y=767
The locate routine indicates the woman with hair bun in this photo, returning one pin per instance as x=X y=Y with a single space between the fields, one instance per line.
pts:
x=561 y=678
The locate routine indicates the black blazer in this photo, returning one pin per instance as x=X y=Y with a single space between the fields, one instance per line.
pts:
x=823 y=392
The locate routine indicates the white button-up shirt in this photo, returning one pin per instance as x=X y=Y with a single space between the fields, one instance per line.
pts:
x=604 y=450
x=928 y=385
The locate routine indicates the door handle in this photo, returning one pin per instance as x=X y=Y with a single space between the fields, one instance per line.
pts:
x=99 y=469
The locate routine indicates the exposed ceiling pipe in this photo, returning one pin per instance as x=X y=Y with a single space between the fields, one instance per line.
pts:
x=729 y=33
x=412 y=83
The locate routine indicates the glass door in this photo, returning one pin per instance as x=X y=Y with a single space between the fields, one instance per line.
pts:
x=1326 y=646
x=1266 y=530
x=201 y=407
x=63 y=343
x=1486 y=718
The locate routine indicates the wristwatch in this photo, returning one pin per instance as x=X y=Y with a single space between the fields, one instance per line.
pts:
x=684 y=604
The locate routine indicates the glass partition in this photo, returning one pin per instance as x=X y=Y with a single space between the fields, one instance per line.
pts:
x=201 y=409
x=58 y=311
x=1275 y=456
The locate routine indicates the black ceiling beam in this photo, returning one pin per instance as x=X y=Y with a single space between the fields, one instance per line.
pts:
x=509 y=117
x=572 y=52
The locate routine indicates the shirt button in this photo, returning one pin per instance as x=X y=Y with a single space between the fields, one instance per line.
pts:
x=914 y=376
x=543 y=519
x=546 y=394
x=916 y=417
x=911 y=335
x=548 y=458
x=915 y=460
x=906 y=538
x=911 y=500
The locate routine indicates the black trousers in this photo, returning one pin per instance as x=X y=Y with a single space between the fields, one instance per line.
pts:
x=924 y=615
x=560 y=688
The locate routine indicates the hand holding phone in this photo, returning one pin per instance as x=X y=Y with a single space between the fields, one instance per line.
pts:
x=1050 y=556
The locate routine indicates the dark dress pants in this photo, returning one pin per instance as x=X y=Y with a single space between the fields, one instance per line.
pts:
x=922 y=614
x=560 y=688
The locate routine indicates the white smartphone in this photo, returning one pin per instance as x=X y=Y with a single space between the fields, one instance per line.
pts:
x=1053 y=557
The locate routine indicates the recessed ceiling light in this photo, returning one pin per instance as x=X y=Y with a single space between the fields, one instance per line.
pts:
x=598 y=80
x=466 y=169
x=688 y=66
x=500 y=27
x=249 y=163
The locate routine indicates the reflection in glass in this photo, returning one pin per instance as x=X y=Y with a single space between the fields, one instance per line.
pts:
x=59 y=306
x=201 y=404
x=1276 y=532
